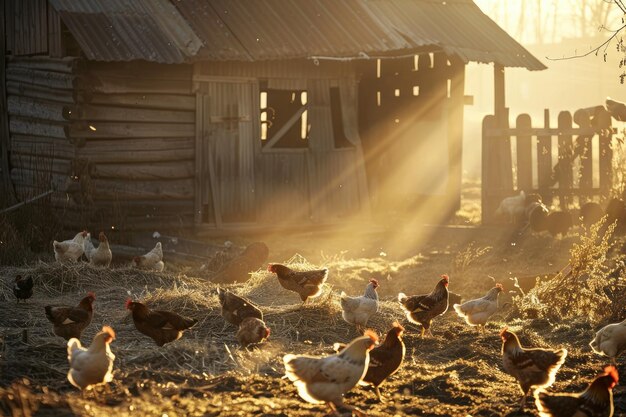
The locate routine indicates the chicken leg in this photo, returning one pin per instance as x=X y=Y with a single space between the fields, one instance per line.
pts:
x=354 y=410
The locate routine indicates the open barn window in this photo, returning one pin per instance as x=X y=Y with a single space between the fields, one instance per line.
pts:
x=284 y=118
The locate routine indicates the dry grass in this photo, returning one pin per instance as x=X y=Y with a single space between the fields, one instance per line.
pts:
x=581 y=290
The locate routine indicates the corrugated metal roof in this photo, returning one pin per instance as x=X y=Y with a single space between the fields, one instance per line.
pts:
x=125 y=30
x=259 y=30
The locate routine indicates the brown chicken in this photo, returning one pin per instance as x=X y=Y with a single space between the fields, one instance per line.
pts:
x=252 y=331
x=595 y=401
x=69 y=322
x=235 y=308
x=534 y=367
x=306 y=283
x=422 y=309
x=162 y=326
x=385 y=360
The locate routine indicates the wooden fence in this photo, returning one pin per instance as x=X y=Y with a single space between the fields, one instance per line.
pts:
x=571 y=162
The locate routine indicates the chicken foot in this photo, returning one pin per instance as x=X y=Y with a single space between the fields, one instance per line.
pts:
x=353 y=409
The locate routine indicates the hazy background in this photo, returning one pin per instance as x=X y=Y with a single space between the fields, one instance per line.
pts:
x=548 y=29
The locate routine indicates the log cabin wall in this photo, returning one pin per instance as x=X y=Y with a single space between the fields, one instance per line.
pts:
x=134 y=131
x=41 y=153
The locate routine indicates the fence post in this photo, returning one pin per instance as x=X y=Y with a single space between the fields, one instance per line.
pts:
x=524 y=154
x=563 y=169
x=584 y=150
x=490 y=182
x=544 y=161
x=602 y=121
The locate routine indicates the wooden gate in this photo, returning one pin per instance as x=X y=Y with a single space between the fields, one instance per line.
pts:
x=571 y=162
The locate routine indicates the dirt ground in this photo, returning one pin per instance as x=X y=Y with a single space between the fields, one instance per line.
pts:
x=455 y=373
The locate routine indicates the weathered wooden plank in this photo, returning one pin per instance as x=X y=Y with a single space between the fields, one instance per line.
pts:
x=490 y=184
x=584 y=151
x=34 y=108
x=145 y=70
x=32 y=145
x=126 y=114
x=144 y=190
x=544 y=161
x=130 y=130
x=146 y=101
x=162 y=170
x=41 y=164
x=33 y=127
x=198 y=165
x=138 y=84
x=5 y=137
x=43 y=93
x=603 y=121
x=42 y=78
x=524 y=154
x=138 y=156
x=563 y=170
x=143 y=144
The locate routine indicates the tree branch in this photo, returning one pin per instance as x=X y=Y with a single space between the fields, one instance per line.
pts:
x=595 y=50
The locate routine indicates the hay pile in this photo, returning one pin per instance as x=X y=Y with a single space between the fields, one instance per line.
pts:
x=210 y=348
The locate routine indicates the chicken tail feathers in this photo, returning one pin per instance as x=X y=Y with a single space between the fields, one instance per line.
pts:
x=459 y=310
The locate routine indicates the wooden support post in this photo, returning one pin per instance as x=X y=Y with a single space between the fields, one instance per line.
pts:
x=544 y=162
x=563 y=169
x=499 y=91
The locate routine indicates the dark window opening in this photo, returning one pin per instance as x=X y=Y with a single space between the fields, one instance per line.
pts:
x=339 y=134
x=284 y=118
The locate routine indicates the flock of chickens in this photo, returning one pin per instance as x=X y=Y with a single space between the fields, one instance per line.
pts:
x=326 y=379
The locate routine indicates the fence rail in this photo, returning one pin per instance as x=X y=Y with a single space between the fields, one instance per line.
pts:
x=572 y=161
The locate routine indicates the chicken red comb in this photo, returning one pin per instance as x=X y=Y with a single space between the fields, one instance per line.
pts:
x=505 y=330
x=612 y=372
x=101 y=236
x=91 y=294
x=270 y=267
x=84 y=233
x=128 y=303
x=109 y=330
x=446 y=277
x=372 y=335
x=375 y=282
x=500 y=286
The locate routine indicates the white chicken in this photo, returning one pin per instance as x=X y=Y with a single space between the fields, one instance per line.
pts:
x=152 y=260
x=326 y=379
x=610 y=340
x=92 y=366
x=90 y=249
x=100 y=256
x=358 y=310
x=70 y=250
x=477 y=312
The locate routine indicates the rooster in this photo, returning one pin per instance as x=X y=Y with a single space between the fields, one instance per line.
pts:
x=100 y=256
x=92 y=366
x=477 y=312
x=152 y=260
x=610 y=340
x=595 y=401
x=70 y=250
x=358 y=310
x=326 y=379
x=23 y=288
x=534 y=367
x=69 y=322
x=559 y=222
x=235 y=309
x=423 y=309
x=308 y=284
x=252 y=331
x=162 y=326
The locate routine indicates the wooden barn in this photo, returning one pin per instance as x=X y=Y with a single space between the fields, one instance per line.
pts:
x=222 y=114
